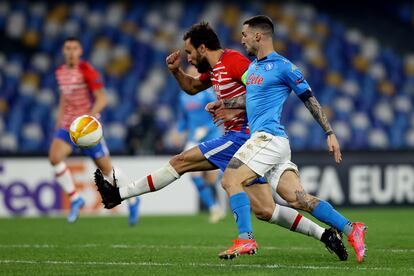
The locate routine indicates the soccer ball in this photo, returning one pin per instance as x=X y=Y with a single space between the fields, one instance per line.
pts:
x=85 y=131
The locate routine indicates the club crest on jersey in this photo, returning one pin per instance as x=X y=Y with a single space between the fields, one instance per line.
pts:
x=254 y=79
x=268 y=66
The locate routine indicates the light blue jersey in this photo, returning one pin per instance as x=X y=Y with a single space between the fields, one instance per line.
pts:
x=268 y=85
x=194 y=119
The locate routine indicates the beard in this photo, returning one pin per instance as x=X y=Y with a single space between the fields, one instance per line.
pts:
x=202 y=65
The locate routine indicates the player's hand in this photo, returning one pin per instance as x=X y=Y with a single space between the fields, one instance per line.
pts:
x=173 y=61
x=333 y=147
x=223 y=115
x=211 y=107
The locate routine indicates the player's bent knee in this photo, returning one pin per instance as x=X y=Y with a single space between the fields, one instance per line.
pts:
x=263 y=214
x=54 y=159
x=226 y=182
x=178 y=162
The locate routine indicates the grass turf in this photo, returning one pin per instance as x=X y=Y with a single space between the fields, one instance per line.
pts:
x=182 y=245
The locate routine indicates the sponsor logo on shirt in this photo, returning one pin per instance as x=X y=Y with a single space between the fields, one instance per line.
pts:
x=254 y=79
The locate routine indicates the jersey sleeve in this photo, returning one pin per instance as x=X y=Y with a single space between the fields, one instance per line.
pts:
x=294 y=79
x=204 y=77
x=92 y=77
x=238 y=65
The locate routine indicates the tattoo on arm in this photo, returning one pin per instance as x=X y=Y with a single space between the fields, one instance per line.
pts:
x=316 y=110
x=306 y=201
x=238 y=102
x=234 y=163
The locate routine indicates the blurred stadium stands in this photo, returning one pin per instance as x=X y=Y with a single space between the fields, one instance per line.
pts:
x=367 y=89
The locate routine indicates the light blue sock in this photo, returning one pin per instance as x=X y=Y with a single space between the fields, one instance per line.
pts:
x=205 y=192
x=240 y=205
x=327 y=214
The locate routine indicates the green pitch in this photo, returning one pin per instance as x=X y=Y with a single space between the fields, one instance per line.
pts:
x=188 y=245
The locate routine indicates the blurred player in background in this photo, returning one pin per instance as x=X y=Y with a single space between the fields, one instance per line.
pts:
x=269 y=81
x=222 y=69
x=81 y=92
x=197 y=124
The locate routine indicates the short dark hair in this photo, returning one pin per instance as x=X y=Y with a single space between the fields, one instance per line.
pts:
x=262 y=22
x=202 y=33
x=71 y=38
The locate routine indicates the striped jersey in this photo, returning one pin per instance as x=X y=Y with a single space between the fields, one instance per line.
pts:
x=225 y=77
x=76 y=86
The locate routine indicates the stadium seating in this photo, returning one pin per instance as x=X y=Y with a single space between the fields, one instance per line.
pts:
x=366 y=89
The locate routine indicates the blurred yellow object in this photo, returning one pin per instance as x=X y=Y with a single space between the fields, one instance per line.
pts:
x=4 y=106
x=360 y=63
x=58 y=13
x=321 y=29
x=31 y=38
x=31 y=78
x=119 y=66
x=386 y=87
x=129 y=27
x=231 y=15
x=333 y=78
x=409 y=70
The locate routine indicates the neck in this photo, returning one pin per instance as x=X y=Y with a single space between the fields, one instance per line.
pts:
x=214 y=56
x=72 y=65
x=264 y=50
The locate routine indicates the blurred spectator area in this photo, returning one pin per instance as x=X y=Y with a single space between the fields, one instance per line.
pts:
x=366 y=88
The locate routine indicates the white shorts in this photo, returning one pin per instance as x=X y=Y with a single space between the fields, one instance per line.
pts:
x=267 y=155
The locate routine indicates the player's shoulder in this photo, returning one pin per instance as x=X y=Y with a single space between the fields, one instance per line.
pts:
x=231 y=55
x=60 y=68
x=85 y=66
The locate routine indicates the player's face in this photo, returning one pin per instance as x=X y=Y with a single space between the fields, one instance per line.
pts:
x=248 y=40
x=196 y=58
x=72 y=51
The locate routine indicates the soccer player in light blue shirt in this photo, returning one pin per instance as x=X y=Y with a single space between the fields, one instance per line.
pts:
x=269 y=80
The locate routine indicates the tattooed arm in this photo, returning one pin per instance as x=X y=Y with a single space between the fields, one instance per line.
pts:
x=316 y=110
x=233 y=103
x=237 y=102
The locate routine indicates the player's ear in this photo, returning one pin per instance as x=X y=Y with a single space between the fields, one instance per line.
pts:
x=202 y=49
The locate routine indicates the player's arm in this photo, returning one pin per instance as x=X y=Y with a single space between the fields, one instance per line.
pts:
x=316 y=110
x=100 y=101
x=189 y=84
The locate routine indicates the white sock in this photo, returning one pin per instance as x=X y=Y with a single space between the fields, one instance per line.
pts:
x=123 y=181
x=64 y=178
x=291 y=219
x=152 y=182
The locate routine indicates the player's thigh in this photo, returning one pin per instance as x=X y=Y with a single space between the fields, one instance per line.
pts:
x=191 y=160
x=261 y=200
x=104 y=164
x=58 y=151
x=236 y=175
